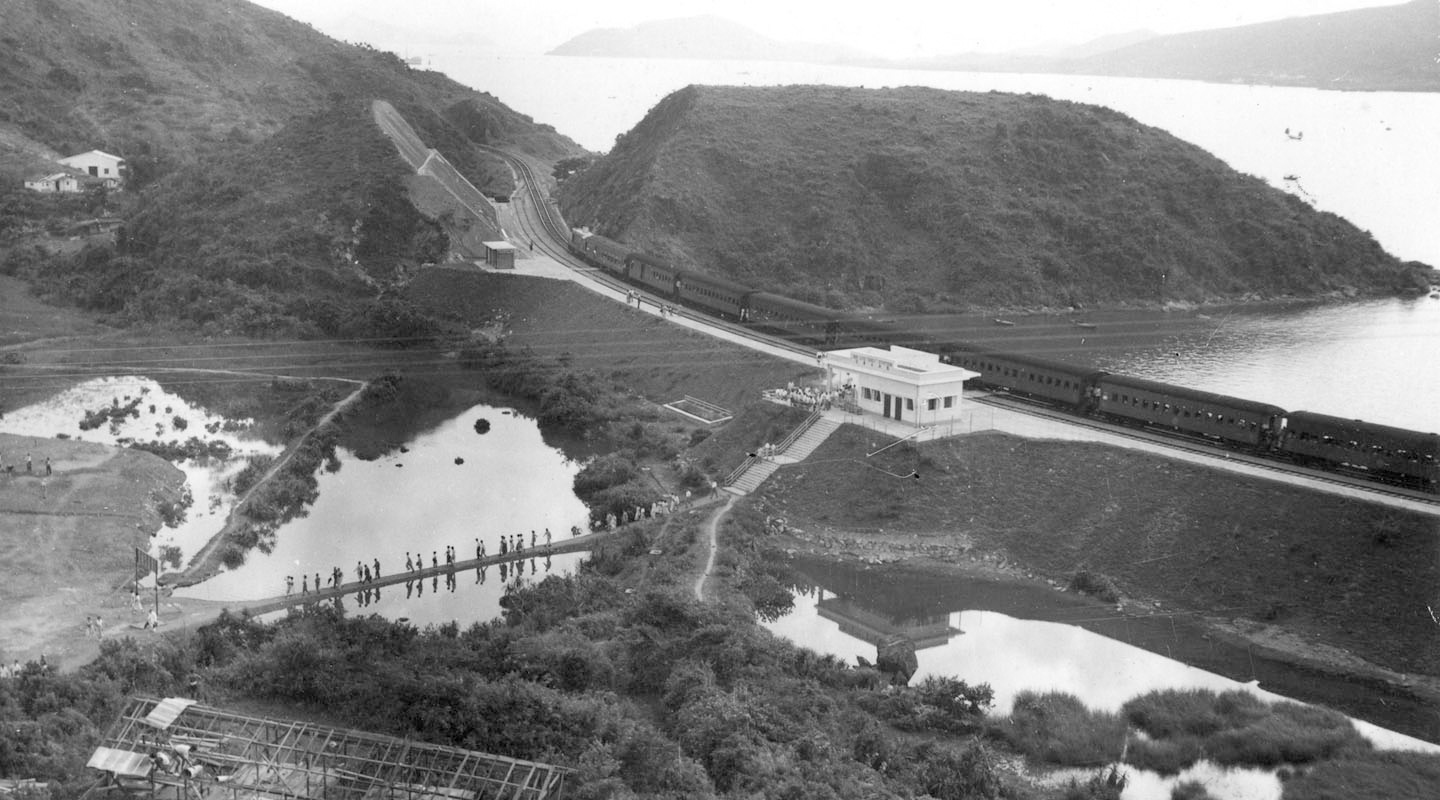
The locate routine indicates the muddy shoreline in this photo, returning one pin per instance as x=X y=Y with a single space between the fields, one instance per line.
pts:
x=1277 y=659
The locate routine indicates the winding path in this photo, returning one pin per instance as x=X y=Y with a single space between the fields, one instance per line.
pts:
x=712 y=533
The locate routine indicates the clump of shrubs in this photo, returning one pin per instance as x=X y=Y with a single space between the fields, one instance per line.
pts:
x=1095 y=584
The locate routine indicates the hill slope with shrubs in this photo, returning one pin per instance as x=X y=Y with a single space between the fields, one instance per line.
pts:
x=919 y=199
x=262 y=199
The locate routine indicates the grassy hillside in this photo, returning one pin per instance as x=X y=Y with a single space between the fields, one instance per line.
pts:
x=263 y=199
x=921 y=199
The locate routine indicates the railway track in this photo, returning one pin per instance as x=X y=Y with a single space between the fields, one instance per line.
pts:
x=542 y=224
x=1184 y=444
x=546 y=229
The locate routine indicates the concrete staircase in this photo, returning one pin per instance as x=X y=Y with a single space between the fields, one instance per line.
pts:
x=800 y=445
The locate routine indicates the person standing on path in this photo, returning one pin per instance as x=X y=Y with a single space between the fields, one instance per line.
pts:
x=27 y=463
x=47 y=466
x=377 y=569
x=304 y=584
x=289 y=585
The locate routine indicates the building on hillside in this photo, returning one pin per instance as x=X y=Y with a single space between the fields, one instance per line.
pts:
x=97 y=164
x=57 y=182
x=499 y=255
x=899 y=383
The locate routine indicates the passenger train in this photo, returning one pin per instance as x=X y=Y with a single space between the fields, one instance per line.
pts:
x=1379 y=452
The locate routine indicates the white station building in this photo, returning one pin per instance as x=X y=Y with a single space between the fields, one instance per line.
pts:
x=899 y=383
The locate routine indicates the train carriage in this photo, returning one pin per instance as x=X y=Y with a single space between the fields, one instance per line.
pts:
x=654 y=273
x=1214 y=416
x=796 y=319
x=1393 y=453
x=1032 y=376
x=607 y=254
x=717 y=295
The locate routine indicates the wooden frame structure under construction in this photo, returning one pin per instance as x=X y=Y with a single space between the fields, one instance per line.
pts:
x=175 y=749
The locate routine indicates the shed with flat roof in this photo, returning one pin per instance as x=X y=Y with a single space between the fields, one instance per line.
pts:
x=499 y=255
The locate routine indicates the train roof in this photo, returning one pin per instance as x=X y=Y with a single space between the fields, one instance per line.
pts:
x=1144 y=384
x=692 y=278
x=651 y=260
x=1369 y=430
x=799 y=305
x=1038 y=362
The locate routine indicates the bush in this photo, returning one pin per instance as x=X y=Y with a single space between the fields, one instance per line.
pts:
x=1094 y=584
x=1057 y=728
x=1234 y=728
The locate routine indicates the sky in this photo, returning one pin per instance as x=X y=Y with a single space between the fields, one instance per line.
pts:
x=893 y=29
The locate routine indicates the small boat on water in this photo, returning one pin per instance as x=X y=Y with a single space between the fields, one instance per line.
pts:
x=1292 y=177
x=1004 y=322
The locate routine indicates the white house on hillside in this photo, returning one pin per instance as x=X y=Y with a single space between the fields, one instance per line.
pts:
x=59 y=182
x=97 y=164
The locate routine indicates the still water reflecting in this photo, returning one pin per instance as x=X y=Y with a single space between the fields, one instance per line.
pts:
x=447 y=487
x=1019 y=638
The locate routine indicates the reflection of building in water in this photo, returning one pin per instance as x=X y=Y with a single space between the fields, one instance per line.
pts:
x=175 y=749
x=924 y=629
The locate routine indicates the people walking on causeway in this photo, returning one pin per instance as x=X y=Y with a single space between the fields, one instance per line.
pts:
x=377 y=569
x=304 y=584
x=532 y=537
x=434 y=559
x=289 y=584
x=547 y=537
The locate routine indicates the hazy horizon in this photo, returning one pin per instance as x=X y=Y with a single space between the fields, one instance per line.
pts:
x=909 y=28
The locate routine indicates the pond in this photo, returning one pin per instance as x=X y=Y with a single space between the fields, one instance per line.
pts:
x=450 y=486
x=1023 y=637
x=141 y=410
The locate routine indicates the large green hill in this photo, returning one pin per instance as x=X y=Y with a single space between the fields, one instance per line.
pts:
x=920 y=199
x=263 y=198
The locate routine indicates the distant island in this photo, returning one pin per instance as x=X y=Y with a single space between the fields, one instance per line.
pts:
x=1390 y=48
x=703 y=37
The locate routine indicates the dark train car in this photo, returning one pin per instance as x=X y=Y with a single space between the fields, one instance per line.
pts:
x=1214 y=416
x=1393 y=453
x=795 y=319
x=654 y=273
x=716 y=295
x=1055 y=381
x=607 y=254
x=857 y=330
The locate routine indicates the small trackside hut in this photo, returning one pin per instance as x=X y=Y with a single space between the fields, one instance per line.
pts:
x=898 y=383
x=499 y=255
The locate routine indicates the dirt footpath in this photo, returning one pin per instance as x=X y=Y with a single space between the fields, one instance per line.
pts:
x=67 y=542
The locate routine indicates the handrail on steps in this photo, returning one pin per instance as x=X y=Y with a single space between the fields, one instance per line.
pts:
x=784 y=445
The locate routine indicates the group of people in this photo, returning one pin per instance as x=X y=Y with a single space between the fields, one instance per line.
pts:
x=370 y=573
x=29 y=465
x=633 y=297
x=808 y=398
x=16 y=669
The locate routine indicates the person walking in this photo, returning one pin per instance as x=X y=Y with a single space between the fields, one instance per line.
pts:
x=47 y=466
x=409 y=562
x=377 y=569
x=289 y=585
x=27 y=463
x=304 y=584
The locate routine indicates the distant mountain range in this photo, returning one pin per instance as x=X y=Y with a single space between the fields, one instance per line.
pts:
x=1388 y=48
x=704 y=37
